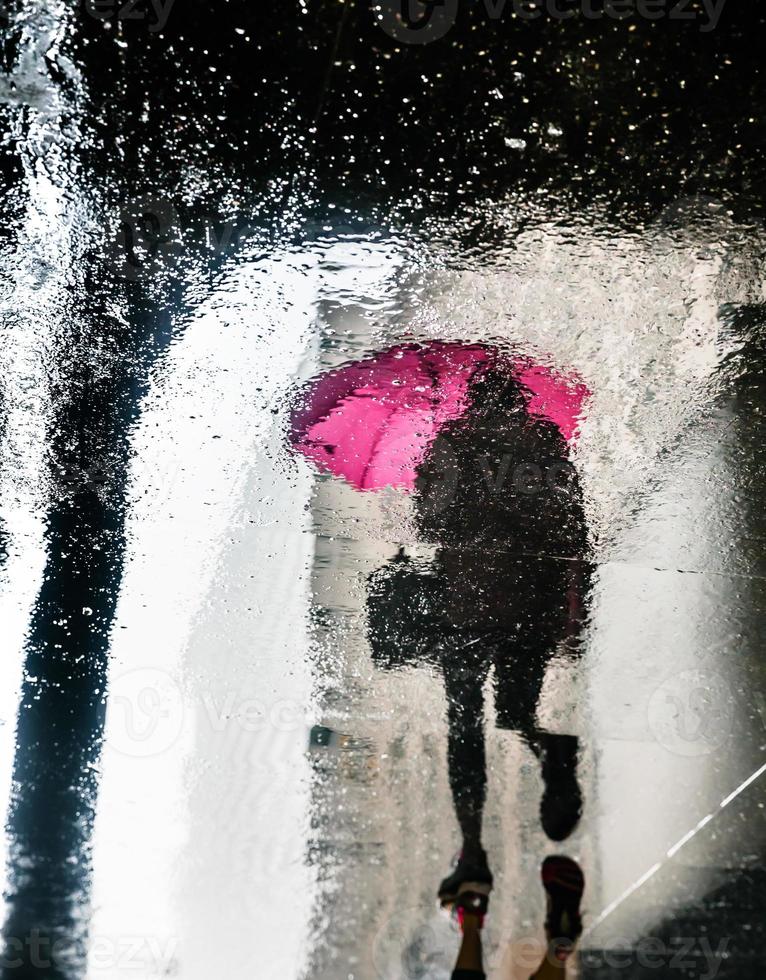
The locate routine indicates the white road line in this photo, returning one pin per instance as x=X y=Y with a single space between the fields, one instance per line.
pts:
x=674 y=850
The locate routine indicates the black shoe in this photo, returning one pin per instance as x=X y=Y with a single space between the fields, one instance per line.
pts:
x=564 y=884
x=561 y=805
x=469 y=876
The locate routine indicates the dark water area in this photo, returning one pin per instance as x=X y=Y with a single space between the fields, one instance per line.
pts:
x=381 y=455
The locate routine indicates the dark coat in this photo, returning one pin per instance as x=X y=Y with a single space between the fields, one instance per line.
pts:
x=499 y=496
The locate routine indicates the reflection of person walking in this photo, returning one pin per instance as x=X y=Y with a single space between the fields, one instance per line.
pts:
x=512 y=580
x=482 y=439
x=564 y=883
x=506 y=590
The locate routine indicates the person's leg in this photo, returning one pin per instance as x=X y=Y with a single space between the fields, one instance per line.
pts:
x=464 y=676
x=464 y=682
x=519 y=674
x=552 y=610
x=550 y=969
x=469 y=961
x=520 y=665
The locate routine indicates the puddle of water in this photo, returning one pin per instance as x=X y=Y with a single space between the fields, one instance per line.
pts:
x=241 y=725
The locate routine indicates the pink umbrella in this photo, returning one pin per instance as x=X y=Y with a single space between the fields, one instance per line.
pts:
x=372 y=422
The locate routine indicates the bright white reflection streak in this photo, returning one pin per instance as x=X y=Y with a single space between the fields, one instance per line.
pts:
x=43 y=240
x=20 y=578
x=200 y=465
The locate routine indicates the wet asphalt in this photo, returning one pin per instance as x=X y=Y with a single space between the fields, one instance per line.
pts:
x=203 y=209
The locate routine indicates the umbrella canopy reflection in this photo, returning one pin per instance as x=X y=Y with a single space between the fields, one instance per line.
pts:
x=373 y=421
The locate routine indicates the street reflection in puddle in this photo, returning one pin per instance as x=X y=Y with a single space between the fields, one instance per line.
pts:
x=381 y=495
x=466 y=591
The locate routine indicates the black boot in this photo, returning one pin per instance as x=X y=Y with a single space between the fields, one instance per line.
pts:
x=564 y=884
x=561 y=805
x=471 y=874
